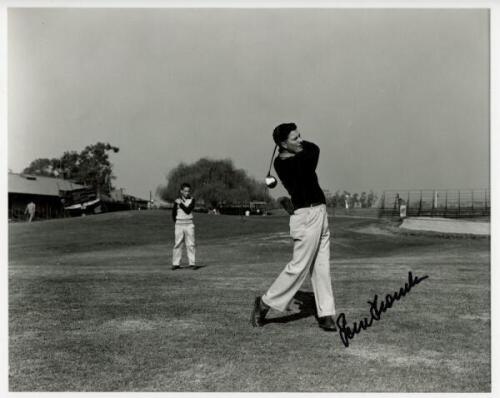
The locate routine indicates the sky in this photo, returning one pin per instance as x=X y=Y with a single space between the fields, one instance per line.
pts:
x=396 y=99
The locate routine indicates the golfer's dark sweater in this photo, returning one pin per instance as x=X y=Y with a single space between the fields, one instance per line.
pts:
x=298 y=175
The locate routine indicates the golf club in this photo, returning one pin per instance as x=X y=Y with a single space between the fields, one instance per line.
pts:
x=271 y=181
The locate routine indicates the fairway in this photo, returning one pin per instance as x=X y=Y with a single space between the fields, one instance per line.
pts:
x=94 y=306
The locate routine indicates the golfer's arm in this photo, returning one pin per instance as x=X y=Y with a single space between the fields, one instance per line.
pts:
x=309 y=155
x=174 y=212
x=187 y=209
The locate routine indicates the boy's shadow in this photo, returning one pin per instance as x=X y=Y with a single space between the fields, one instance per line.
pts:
x=306 y=305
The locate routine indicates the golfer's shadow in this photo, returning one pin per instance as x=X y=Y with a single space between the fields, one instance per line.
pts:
x=306 y=305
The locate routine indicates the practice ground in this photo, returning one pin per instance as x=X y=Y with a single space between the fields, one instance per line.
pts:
x=94 y=306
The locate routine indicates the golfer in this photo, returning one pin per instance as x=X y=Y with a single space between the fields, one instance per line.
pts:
x=296 y=168
x=182 y=215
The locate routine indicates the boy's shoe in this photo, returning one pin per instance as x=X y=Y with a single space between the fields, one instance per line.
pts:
x=259 y=312
x=327 y=323
x=174 y=267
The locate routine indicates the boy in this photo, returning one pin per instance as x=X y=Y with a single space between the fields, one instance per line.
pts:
x=182 y=215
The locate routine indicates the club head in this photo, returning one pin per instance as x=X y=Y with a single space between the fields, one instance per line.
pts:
x=271 y=181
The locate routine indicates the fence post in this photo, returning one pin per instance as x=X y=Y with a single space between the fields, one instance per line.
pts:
x=420 y=204
x=485 y=201
x=459 y=204
x=408 y=204
x=433 y=202
x=472 y=198
x=446 y=203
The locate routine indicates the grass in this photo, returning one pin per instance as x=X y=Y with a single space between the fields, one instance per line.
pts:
x=94 y=306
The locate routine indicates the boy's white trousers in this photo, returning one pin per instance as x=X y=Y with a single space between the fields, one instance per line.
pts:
x=184 y=233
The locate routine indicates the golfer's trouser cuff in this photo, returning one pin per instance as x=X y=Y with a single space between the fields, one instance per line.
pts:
x=311 y=255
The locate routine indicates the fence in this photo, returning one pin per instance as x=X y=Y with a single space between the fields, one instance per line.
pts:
x=436 y=203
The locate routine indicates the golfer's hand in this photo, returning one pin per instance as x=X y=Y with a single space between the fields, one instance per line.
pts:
x=286 y=203
x=178 y=201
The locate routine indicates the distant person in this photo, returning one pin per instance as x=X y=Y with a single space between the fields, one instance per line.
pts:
x=296 y=168
x=397 y=201
x=30 y=211
x=182 y=215
x=402 y=209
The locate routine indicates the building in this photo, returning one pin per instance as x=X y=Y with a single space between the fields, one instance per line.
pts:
x=45 y=192
x=135 y=203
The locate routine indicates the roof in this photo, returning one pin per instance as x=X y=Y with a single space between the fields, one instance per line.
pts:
x=38 y=185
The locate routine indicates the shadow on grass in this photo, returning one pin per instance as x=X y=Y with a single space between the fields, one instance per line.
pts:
x=189 y=267
x=197 y=267
x=306 y=305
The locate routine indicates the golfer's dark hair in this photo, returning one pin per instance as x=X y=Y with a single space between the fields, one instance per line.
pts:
x=185 y=185
x=282 y=132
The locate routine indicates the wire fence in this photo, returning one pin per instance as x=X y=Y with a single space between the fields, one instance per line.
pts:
x=436 y=203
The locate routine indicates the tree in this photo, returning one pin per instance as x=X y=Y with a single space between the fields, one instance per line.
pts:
x=90 y=167
x=94 y=168
x=346 y=198
x=69 y=165
x=362 y=199
x=42 y=167
x=216 y=182
x=340 y=199
x=371 y=199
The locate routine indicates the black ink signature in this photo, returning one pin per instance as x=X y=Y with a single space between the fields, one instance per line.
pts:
x=346 y=333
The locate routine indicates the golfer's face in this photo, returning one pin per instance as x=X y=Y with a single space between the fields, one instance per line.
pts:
x=186 y=192
x=294 y=142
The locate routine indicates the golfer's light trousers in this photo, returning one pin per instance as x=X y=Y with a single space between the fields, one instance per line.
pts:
x=311 y=255
x=184 y=233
